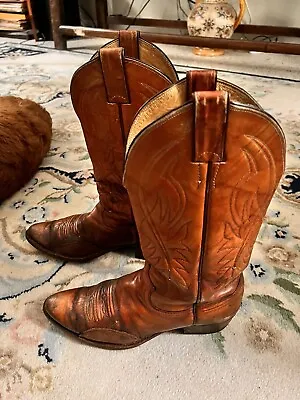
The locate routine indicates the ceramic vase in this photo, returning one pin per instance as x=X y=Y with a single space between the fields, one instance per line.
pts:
x=215 y=19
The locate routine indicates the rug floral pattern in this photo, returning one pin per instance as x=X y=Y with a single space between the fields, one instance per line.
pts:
x=36 y=358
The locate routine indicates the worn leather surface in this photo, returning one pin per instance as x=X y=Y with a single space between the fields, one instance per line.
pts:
x=199 y=81
x=197 y=222
x=210 y=133
x=106 y=94
x=129 y=41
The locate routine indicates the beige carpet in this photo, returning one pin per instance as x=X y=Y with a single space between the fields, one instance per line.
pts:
x=256 y=357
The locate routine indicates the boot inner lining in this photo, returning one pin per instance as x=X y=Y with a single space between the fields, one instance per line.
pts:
x=175 y=97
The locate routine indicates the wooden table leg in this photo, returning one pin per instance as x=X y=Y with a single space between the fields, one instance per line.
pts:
x=56 y=13
x=32 y=21
x=102 y=14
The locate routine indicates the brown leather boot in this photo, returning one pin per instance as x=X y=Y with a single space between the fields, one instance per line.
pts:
x=200 y=172
x=106 y=93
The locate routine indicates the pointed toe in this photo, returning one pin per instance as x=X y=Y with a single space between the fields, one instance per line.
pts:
x=38 y=235
x=59 y=308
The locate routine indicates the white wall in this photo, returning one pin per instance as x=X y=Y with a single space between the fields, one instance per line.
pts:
x=264 y=12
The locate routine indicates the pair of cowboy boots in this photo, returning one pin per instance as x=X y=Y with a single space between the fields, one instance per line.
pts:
x=200 y=161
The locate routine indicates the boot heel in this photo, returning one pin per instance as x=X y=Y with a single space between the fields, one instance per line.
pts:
x=204 y=329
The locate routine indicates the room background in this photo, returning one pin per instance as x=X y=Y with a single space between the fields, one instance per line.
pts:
x=267 y=12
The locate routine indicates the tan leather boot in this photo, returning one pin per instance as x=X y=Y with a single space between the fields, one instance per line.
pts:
x=106 y=93
x=200 y=172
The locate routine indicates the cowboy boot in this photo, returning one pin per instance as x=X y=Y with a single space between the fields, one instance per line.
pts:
x=106 y=94
x=200 y=172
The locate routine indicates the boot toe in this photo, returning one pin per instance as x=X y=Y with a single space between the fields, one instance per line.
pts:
x=39 y=235
x=59 y=307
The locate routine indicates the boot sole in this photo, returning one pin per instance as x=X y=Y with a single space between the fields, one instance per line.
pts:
x=102 y=345
x=74 y=259
x=194 y=329
x=206 y=329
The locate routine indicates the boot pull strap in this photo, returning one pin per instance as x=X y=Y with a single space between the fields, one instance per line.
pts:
x=129 y=40
x=112 y=62
x=211 y=109
x=200 y=81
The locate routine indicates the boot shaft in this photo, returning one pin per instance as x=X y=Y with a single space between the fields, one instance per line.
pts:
x=108 y=91
x=239 y=191
x=200 y=194
x=106 y=94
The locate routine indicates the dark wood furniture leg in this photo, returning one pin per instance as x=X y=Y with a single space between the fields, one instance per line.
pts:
x=102 y=14
x=32 y=21
x=56 y=13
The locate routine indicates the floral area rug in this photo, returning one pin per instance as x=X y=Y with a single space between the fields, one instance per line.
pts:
x=255 y=357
